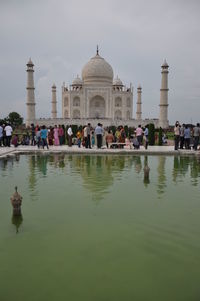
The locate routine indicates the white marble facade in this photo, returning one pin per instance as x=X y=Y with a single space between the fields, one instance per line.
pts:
x=96 y=94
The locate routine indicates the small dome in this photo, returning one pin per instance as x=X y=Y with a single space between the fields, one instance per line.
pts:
x=165 y=65
x=139 y=87
x=117 y=82
x=30 y=63
x=77 y=81
x=97 y=70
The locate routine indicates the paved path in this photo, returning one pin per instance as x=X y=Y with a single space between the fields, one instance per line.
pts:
x=152 y=150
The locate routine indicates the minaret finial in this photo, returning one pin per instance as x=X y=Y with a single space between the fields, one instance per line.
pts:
x=97 y=49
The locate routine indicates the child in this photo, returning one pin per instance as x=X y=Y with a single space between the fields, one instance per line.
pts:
x=93 y=139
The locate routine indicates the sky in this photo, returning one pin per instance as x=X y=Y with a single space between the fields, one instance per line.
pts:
x=134 y=36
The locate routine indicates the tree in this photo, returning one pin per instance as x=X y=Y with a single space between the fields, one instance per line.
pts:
x=160 y=136
x=151 y=134
x=15 y=119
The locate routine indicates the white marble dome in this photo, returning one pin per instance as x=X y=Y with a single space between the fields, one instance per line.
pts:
x=117 y=82
x=77 y=81
x=97 y=70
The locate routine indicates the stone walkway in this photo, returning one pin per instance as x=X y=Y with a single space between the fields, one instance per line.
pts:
x=152 y=150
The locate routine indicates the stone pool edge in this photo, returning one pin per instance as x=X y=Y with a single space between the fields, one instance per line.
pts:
x=152 y=150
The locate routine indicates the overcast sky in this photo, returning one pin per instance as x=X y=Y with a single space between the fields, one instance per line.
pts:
x=134 y=36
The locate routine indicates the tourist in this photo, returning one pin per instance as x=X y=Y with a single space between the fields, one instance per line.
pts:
x=1 y=135
x=78 y=135
x=146 y=137
x=187 y=137
x=85 y=136
x=139 y=133
x=44 y=134
x=38 y=137
x=99 y=134
x=15 y=140
x=70 y=134
x=122 y=135
x=51 y=135
x=88 y=141
x=8 y=130
x=136 y=143
x=176 y=135
x=196 y=135
x=109 y=138
x=32 y=134
x=182 y=129
x=117 y=134
x=60 y=134
x=55 y=136
x=164 y=139
x=93 y=139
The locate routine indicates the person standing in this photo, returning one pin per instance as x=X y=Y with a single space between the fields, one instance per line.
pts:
x=196 y=135
x=32 y=134
x=182 y=129
x=44 y=134
x=88 y=129
x=139 y=133
x=8 y=130
x=60 y=134
x=55 y=136
x=146 y=137
x=1 y=135
x=176 y=135
x=187 y=137
x=70 y=134
x=109 y=138
x=99 y=134
x=85 y=136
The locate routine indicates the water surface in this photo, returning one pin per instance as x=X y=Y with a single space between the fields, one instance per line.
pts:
x=94 y=229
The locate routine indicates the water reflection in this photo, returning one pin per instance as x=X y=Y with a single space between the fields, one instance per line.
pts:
x=161 y=175
x=146 y=179
x=98 y=173
x=17 y=222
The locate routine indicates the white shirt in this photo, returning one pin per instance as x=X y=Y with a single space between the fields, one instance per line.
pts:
x=69 y=132
x=8 y=130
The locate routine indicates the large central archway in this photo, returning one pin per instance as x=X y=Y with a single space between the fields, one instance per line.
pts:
x=97 y=107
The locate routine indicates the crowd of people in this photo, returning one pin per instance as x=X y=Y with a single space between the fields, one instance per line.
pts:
x=186 y=137
x=89 y=137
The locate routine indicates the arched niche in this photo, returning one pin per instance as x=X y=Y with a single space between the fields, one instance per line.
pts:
x=66 y=114
x=118 y=102
x=128 y=115
x=76 y=101
x=76 y=114
x=118 y=114
x=128 y=102
x=66 y=101
x=97 y=108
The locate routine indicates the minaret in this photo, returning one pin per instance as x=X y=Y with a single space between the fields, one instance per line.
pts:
x=163 y=118
x=54 y=102
x=139 y=103
x=30 y=94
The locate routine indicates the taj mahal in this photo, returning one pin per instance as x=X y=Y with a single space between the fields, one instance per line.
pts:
x=97 y=97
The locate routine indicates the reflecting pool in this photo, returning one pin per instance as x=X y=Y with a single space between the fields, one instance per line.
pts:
x=94 y=228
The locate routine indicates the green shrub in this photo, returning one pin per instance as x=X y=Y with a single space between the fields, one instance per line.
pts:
x=160 y=136
x=151 y=134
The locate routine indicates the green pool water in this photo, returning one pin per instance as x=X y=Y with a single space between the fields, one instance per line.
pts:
x=93 y=229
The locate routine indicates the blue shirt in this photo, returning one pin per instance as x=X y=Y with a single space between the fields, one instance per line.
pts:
x=187 y=134
x=1 y=131
x=146 y=132
x=44 y=133
x=99 y=130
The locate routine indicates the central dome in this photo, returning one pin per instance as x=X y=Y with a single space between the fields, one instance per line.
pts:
x=97 y=70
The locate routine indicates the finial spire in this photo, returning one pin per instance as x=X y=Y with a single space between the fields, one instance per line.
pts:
x=97 y=49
